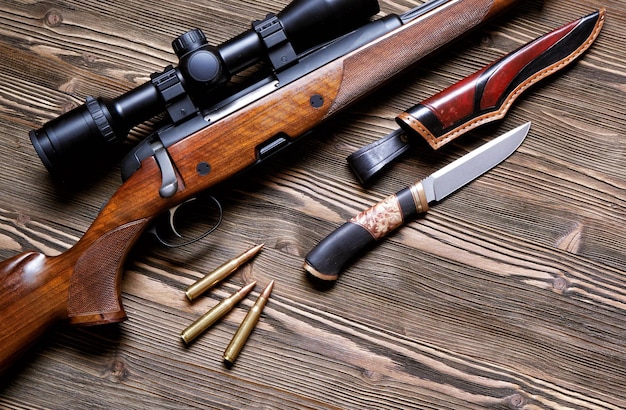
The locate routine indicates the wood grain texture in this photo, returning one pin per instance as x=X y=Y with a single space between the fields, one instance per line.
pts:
x=509 y=294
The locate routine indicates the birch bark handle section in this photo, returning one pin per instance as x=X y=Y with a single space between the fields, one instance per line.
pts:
x=326 y=260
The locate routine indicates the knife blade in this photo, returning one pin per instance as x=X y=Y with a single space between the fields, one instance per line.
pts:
x=328 y=258
x=480 y=98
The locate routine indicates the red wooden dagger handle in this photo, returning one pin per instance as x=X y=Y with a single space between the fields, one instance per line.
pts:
x=488 y=94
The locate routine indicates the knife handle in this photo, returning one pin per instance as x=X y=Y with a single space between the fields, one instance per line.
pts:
x=487 y=95
x=326 y=260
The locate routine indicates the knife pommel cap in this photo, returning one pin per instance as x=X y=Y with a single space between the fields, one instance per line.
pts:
x=317 y=274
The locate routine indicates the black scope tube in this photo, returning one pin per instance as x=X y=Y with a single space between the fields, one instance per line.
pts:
x=77 y=142
x=66 y=143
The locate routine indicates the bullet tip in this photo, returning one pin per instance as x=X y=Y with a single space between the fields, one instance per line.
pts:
x=268 y=289
x=256 y=248
x=247 y=288
x=247 y=255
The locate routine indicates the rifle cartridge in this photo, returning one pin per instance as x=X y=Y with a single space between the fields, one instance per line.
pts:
x=215 y=314
x=210 y=280
x=247 y=325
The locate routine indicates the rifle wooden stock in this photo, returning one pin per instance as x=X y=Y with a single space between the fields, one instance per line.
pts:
x=82 y=285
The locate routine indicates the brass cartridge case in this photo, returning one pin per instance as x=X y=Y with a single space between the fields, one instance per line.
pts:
x=246 y=327
x=220 y=273
x=215 y=314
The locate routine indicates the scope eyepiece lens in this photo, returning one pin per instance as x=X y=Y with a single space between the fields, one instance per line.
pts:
x=43 y=146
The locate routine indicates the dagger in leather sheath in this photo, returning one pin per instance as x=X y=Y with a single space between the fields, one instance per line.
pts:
x=483 y=97
x=328 y=258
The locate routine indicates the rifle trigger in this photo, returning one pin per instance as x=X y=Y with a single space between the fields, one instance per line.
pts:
x=169 y=182
x=172 y=212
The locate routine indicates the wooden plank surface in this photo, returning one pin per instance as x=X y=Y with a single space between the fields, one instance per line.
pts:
x=508 y=294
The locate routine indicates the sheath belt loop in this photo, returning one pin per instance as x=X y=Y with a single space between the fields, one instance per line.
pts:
x=419 y=197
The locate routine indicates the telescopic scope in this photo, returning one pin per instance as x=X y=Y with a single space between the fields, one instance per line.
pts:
x=79 y=141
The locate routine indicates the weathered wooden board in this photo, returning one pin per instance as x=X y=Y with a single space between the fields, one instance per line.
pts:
x=511 y=293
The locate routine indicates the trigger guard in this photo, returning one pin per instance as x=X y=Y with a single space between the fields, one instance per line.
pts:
x=172 y=211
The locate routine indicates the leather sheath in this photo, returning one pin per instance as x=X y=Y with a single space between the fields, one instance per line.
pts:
x=483 y=97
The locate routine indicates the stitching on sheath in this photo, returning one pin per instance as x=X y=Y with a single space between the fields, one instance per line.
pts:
x=437 y=142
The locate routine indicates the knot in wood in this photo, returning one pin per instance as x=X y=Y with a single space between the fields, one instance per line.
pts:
x=53 y=18
x=289 y=246
x=371 y=375
x=486 y=40
x=118 y=371
x=560 y=284
x=68 y=106
x=89 y=58
x=516 y=401
x=22 y=219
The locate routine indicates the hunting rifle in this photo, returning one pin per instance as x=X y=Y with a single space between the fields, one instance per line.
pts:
x=310 y=77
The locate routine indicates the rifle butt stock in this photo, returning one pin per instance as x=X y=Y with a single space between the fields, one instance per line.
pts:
x=82 y=285
x=33 y=296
